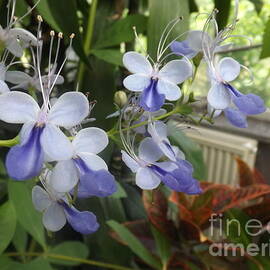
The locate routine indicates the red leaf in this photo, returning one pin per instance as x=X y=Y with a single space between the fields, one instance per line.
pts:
x=156 y=206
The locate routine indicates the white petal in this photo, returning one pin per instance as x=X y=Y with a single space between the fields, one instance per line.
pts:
x=17 y=77
x=170 y=90
x=176 y=71
x=146 y=179
x=40 y=198
x=229 y=69
x=69 y=110
x=137 y=63
x=92 y=140
x=130 y=162
x=55 y=143
x=149 y=150
x=158 y=130
x=54 y=218
x=17 y=107
x=178 y=152
x=64 y=176
x=14 y=47
x=24 y=36
x=218 y=96
x=167 y=165
x=3 y=87
x=93 y=161
x=136 y=82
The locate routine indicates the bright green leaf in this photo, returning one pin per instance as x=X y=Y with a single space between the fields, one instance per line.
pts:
x=161 y=13
x=109 y=55
x=121 y=31
x=71 y=249
x=134 y=244
x=7 y=224
x=29 y=218
x=192 y=151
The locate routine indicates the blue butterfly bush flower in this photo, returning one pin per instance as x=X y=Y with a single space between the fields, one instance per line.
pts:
x=57 y=211
x=155 y=83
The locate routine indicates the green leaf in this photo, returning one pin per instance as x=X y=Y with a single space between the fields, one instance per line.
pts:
x=163 y=245
x=222 y=16
x=161 y=13
x=134 y=244
x=120 y=193
x=29 y=218
x=234 y=227
x=266 y=41
x=20 y=238
x=258 y=5
x=121 y=31
x=109 y=55
x=56 y=14
x=193 y=6
x=192 y=150
x=71 y=249
x=44 y=10
x=7 y=224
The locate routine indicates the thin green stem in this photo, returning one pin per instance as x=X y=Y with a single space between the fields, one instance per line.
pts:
x=67 y=258
x=9 y=143
x=88 y=37
x=114 y=131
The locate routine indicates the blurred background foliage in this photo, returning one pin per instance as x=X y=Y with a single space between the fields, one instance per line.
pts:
x=138 y=231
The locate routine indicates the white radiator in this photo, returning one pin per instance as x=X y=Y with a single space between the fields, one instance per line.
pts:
x=219 y=152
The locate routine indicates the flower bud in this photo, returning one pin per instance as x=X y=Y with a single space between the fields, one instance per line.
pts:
x=120 y=98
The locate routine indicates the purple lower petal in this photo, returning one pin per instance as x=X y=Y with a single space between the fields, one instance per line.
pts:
x=249 y=104
x=83 y=222
x=150 y=99
x=25 y=161
x=180 y=179
x=99 y=183
x=182 y=48
x=236 y=118
x=96 y=183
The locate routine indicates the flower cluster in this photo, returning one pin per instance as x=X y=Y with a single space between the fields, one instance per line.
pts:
x=52 y=145
x=54 y=148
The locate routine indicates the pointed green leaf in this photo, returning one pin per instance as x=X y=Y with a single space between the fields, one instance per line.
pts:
x=7 y=224
x=134 y=244
x=29 y=218
x=121 y=31
x=111 y=56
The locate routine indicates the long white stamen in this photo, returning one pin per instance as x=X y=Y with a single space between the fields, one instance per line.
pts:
x=163 y=34
x=61 y=67
x=52 y=34
x=141 y=45
x=159 y=54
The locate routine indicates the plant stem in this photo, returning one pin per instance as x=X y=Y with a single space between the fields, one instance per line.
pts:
x=67 y=258
x=114 y=131
x=88 y=38
x=9 y=143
